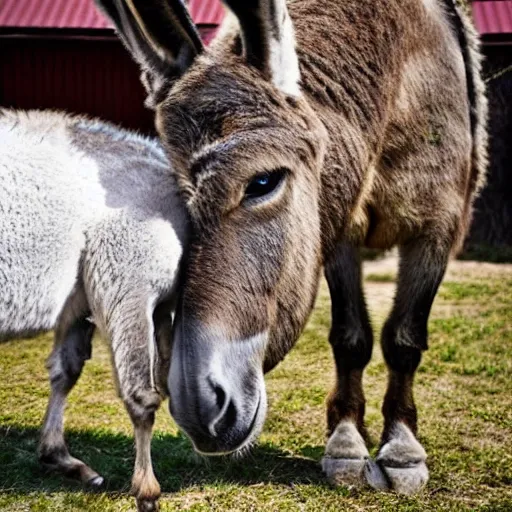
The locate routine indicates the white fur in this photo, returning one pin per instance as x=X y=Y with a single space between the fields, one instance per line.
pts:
x=402 y=448
x=84 y=201
x=284 y=63
x=431 y=6
x=224 y=363
x=346 y=443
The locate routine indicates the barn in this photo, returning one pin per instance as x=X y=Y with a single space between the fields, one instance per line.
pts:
x=63 y=54
x=491 y=232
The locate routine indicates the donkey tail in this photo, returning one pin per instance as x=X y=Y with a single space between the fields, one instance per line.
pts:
x=478 y=110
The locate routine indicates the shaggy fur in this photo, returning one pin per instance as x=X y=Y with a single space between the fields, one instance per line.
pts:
x=92 y=231
x=384 y=145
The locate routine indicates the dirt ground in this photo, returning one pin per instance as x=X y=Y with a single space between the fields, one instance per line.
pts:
x=379 y=294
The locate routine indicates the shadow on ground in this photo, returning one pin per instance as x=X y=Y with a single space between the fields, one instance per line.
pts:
x=176 y=465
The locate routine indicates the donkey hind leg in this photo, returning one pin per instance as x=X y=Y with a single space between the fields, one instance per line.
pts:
x=72 y=348
x=404 y=336
x=136 y=366
x=346 y=459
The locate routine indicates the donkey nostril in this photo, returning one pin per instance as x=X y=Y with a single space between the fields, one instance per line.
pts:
x=230 y=416
x=220 y=395
x=225 y=411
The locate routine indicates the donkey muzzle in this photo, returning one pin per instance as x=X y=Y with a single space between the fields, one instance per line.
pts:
x=216 y=386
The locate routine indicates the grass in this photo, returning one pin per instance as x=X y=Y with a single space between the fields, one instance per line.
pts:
x=463 y=390
x=381 y=278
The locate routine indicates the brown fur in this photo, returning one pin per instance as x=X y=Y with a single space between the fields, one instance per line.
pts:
x=386 y=146
x=398 y=160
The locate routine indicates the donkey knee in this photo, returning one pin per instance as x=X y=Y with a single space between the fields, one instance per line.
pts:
x=352 y=348
x=63 y=373
x=402 y=346
x=141 y=404
x=68 y=357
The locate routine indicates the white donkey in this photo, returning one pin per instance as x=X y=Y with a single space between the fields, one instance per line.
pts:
x=91 y=234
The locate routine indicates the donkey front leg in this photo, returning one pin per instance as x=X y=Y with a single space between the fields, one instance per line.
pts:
x=404 y=337
x=134 y=354
x=72 y=348
x=346 y=459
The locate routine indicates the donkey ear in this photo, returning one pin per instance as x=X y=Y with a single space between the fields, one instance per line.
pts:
x=268 y=40
x=161 y=37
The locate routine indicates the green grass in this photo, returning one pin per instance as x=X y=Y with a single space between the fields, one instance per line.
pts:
x=381 y=278
x=463 y=391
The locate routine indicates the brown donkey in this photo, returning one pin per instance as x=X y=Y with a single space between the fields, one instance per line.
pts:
x=305 y=131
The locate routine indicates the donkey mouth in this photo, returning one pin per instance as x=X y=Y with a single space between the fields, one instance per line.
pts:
x=234 y=441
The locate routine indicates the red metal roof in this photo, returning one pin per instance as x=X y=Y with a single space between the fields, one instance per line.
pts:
x=493 y=16
x=206 y=12
x=83 y=14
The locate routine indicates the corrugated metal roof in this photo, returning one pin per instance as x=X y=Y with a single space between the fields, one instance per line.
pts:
x=206 y=12
x=493 y=16
x=83 y=14
x=51 y=14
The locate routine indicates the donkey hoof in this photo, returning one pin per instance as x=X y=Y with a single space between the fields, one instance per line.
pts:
x=402 y=458
x=407 y=480
x=347 y=472
x=96 y=483
x=145 y=505
x=375 y=476
x=345 y=456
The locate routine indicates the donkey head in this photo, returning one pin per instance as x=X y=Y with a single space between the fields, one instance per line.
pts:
x=247 y=150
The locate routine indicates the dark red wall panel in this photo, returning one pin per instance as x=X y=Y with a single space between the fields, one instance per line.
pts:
x=91 y=76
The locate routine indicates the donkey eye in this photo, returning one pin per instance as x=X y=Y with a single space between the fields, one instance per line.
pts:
x=263 y=184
